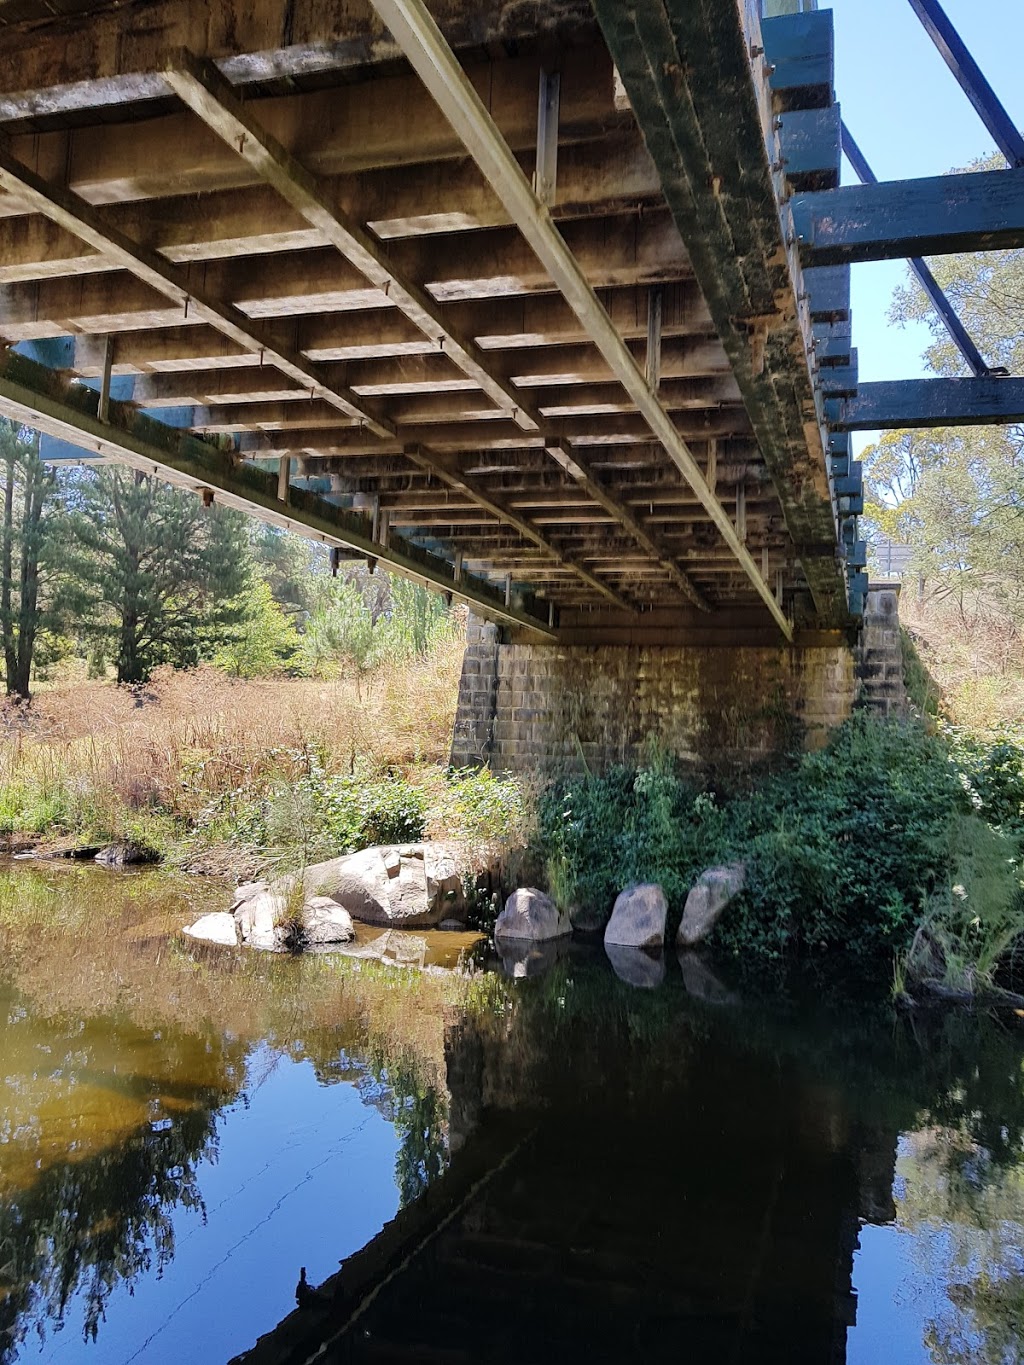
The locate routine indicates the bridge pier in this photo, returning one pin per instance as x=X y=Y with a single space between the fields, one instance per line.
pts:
x=726 y=701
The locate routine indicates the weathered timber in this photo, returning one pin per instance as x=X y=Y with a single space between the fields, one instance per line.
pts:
x=434 y=62
x=35 y=395
x=596 y=178
x=981 y=211
x=705 y=123
x=105 y=58
x=75 y=215
x=909 y=403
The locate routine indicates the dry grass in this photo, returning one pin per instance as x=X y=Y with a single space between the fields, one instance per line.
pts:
x=975 y=655
x=91 y=756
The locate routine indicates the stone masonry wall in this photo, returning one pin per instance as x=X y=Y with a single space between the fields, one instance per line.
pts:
x=475 y=715
x=721 y=709
x=879 y=653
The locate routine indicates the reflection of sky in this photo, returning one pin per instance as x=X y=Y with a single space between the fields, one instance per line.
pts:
x=895 y=1302
x=305 y=1174
x=902 y=1274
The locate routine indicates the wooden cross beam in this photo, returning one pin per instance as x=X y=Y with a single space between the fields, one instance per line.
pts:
x=430 y=56
x=908 y=403
x=983 y=211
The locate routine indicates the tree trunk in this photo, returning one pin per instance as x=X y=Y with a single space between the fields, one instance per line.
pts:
x=7 y=569
x=28 y=607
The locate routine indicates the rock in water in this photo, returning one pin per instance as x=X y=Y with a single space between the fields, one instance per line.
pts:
x=216 y=928
x=127 y=853
x=324 y=921
x=529 y=914
x=638 y=917
x=396 y=886
x=259 y=919
x=712 y=892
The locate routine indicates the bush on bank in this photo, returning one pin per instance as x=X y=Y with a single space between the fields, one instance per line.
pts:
x=853 y=849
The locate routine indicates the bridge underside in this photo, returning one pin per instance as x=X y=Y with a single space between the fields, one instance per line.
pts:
x=547 y=307
x=511 y=342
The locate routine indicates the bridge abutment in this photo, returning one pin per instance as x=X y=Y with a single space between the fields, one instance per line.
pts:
x=723 y=703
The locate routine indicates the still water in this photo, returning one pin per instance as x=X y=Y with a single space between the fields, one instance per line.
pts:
x=566 y=1164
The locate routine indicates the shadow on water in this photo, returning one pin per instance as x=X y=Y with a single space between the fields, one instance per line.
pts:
x=587 y=1159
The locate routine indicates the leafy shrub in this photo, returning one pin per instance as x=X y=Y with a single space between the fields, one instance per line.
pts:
x=992 y=771
x=839 y=850
x=475 y=806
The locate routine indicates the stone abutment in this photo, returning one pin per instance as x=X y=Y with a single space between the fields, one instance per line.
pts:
x=722 y=703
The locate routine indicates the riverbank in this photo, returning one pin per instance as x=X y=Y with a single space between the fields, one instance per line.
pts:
x=896 y=848
x=244 y=778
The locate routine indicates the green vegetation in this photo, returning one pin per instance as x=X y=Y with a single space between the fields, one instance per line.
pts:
x=889 y=842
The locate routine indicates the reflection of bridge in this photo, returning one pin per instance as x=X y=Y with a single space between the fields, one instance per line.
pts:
x=581 y=358
x=616 y=1197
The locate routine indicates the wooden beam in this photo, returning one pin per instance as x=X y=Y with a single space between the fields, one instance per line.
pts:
x=431 y=57
x=725 y=197
x=38 y=397
x=205 y=92
x=911 y=403
x=447 y=470
x=981 y=211
x=105 y=59
x=74 y=215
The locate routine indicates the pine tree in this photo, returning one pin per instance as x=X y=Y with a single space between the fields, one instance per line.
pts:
x=157 y=577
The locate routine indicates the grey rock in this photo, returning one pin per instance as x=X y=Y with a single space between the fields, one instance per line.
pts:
x=259 y=919
x=530 y=915
x=324 y=921
x=701 y=982
x=407 y=886
x=713 y=891
x=638 y=917
x=218 y=927
x=126 y=853
x=636 y=966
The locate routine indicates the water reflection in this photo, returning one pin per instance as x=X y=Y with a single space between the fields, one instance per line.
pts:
x=626 y=1156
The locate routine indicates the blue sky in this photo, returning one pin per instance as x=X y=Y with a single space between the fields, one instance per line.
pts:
x=910 y=118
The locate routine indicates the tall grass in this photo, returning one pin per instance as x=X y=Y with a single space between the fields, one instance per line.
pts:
x=95 y=761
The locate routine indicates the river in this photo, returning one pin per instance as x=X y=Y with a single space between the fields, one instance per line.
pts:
x=582 y=1168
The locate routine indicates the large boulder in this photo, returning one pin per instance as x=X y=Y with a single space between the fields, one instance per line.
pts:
x=396 y=886
x=713 y=891
x=261 y=918
x=219 y=927
x=530 y=915
x=638 y=917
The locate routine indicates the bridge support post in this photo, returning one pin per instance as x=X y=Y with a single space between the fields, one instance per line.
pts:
x=474 y=720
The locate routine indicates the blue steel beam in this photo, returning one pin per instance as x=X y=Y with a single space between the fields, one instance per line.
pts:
x=905 y=403
x=971 y=79
x=927 y=280
x=911 y=218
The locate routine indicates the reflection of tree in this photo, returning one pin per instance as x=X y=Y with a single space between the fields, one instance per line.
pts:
x=965 y=1211
x=83 y=1226
x=87 y=1226
x=393 y=1080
